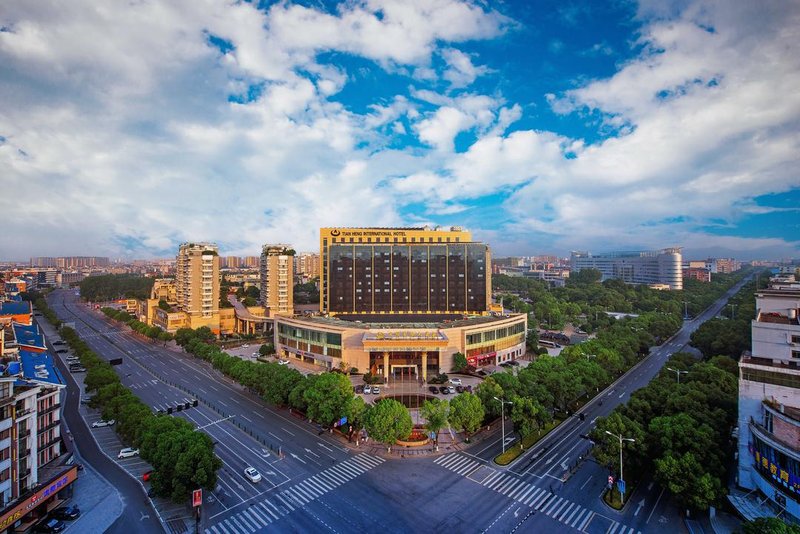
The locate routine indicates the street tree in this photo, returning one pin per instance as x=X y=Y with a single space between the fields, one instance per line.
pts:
x=527 y=415
x=459 y=362
x=436 y=413
x=387 y=421
x=328 y=398
x=466 y=413
x=487 y=391
x=356 y=416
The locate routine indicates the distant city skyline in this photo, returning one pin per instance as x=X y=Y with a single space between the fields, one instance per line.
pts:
x=542 y=128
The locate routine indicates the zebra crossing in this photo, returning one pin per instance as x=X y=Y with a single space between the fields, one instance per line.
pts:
x=258 y=516
x=543 y=501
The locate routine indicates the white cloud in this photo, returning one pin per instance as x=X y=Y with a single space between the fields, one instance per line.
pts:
x=460 y=70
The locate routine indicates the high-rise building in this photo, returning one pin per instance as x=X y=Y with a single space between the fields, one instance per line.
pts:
x=403 y=270
x=43 y=262
x=769 y=409
x=657 y=268
x=251 y=262
x=197 y=283
x=307 y=265
x=277 y=279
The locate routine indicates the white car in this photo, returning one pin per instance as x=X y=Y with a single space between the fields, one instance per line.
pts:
x=255 y=355
x=456 y=381
x=252 y=475
x=101 y=423
x=367 y=390
x=128 y=452
x=283 y=362
x=245 y=346
x=451 y=389
x=376 y=390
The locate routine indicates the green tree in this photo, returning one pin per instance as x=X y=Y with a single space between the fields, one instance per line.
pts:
x=606 y=450
x=387 y=421
x=99 y=376
x=466 y=412
x=769 y=525
x=688 y=480
x=356 y=416
x=249 y=301
x=487 y=391
x=459 y=362
x=328 y=398
x=436 y=413
x=266 y=349
x=527 y=415
x=164 y=305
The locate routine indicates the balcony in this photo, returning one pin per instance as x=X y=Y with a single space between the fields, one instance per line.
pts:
x=24 y=412
x=22 y=434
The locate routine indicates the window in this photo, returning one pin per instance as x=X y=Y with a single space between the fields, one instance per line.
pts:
x=796 y=339
x=796 y=354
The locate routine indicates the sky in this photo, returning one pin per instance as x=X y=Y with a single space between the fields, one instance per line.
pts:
x=128 y=127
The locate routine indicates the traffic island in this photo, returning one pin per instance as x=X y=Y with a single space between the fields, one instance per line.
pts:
x=527 y=442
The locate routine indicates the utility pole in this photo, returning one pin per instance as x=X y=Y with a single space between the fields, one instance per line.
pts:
x=503 y=419
x=621 y=439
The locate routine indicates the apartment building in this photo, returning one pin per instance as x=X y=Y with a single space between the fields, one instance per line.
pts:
x=197 y=284
x=277 y=279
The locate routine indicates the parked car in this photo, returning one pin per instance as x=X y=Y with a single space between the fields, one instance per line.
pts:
x=59 y=342
x=61 y=351
x=444 y=390
x=451 y=389
x=367 y=390
x=515 y=363
x=433 y=389
x=146 y=475
x=128 y=452
x=468 y=389
x=460 y=389
x=101 y=423
x=86 y=400
x=69 y=513
x=376 y=390
x=360 y=388
x=50 y=525
x=254 y=355
x=252 y=474
x=283 y=362
x=77 y=369
x=455 y=381
x=245 y=346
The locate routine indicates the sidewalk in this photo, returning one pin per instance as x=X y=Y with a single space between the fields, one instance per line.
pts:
x=100 y=503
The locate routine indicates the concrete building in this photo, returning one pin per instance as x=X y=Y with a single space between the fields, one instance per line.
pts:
x=197 y=284
x=400 y=302
x=697 y=273
x=769 y=410
x=661 y=267
x=306 y=266
x=277 y=279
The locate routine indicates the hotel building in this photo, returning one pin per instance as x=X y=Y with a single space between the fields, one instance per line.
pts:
x=662 y=268
x=401 y=302
x=769 y=410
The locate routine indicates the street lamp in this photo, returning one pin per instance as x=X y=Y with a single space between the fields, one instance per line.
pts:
x=733 y=310
x=503 y=419
x=621 y=439
x=678 y=373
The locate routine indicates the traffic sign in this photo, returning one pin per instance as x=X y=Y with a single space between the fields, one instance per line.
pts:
x=610 y=479
x=197 y=497
x=621 y=486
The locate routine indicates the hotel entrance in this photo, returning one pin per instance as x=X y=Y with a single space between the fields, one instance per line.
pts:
x=404 y=355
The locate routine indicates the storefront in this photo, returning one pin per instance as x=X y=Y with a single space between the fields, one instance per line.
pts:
x=28 y=511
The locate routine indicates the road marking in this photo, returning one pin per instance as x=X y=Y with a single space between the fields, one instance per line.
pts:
x=212 y=387
x=287 y=431
x=587 y=481
x=246 y=418
x=324 y=447
x=204 y=392
x=655 y=506
x=222 y=403
x=274 y=436
x=621 y=394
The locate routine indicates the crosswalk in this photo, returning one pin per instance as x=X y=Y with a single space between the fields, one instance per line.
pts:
x=258 y=516
x=543 y=501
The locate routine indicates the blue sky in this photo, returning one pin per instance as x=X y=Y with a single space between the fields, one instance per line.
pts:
x=543 y=127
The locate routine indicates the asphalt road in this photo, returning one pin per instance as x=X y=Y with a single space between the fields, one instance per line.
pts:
x=321 y=486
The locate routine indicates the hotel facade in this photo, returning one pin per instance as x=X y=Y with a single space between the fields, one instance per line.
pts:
x=402 y=302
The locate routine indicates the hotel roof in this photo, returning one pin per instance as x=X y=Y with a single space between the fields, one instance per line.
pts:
x=39 y=367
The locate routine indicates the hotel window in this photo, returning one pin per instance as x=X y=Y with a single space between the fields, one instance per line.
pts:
x=796 y=354
x=796 y=339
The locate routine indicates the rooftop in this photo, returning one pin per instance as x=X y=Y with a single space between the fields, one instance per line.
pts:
x=28 y=335
x=39 y=367
x=777 y=318
x=406 y=321
x=15 y=308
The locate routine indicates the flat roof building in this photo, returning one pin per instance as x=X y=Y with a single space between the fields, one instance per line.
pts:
x=197 y=284
x=277 y=279
x=658 y=267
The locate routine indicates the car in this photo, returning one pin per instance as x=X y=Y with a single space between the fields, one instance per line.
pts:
x=367 y=390
x=515 y=363
x=146 y=475
x=252 y=474
x=77 y=369
x=444 y=390
x=433 y=389
x=59 y=342
x=283 y=362
x=101 y=423
x=460 y=389
x=128 y=452
x=61 y=351
x=51 y=525
x=254 y=355
x=245 y=346
x=451 y=389
x=455 y=381
x=360 y=388
x=376 y=390
x=86 y=400
x=468 y=389
x=68 y=512
x=505 y=364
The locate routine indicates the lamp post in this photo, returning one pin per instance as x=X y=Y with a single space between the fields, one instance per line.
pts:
x=733 y=311
x=621 y=439
x=678 y=373
x=503 y=419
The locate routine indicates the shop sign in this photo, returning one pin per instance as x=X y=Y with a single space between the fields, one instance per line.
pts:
x=16 y=513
